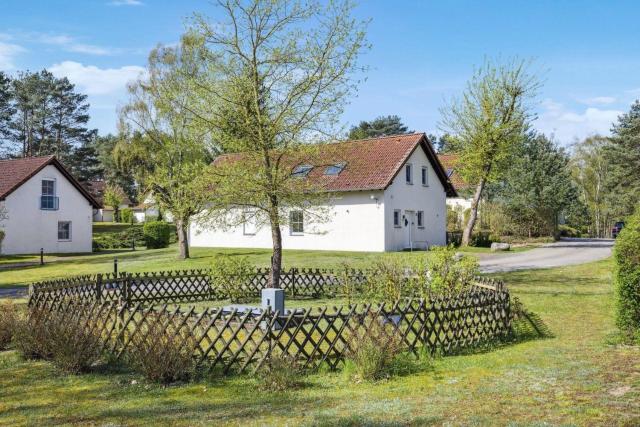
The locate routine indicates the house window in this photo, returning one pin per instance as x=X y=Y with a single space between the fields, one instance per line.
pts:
x=396 y=218
x=48 y=199
x=64 y=230
x=296 y=222
x=420 y=216
x=334 y=169
x=250 y=223
x=301 y=171
x=408 y=172
x=425 y=176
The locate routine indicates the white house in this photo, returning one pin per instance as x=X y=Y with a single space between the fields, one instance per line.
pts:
x=450 y=163
x=46 y=207
x=387 y=194
x=106 y=213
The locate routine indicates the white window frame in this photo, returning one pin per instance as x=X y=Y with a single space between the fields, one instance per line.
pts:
x=424 y=177
x=52 y=195
x=70 y=231
x=249 y=220
x=420 y=219
x=408 y=167
x=291 y=222
x=397 y=214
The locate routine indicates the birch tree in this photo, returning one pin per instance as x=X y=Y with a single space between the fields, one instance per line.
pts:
x=278 y=75
x=490 y=120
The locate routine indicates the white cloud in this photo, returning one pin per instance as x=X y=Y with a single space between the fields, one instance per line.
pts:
x=70 y=44
x=8 y=52
x=599 y=100
x=567 y=125
x=126 y=3
x=97 y=81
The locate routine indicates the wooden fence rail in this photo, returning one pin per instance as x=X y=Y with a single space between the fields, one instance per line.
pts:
x=235 y=340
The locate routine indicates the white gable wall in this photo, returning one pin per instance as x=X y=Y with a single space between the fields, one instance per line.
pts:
x=29 y=228
x=413 y=198
x=356 y=223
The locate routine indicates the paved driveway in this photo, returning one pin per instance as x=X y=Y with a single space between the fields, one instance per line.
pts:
x=558 y=254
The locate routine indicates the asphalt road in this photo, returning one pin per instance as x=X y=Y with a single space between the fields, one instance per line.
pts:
x=558 y=254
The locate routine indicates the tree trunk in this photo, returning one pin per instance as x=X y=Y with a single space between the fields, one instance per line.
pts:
x=183 y=241
x=468 y=229
x=276 y=237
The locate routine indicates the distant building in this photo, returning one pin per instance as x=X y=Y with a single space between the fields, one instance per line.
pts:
x=47 y=208
x=462 y=200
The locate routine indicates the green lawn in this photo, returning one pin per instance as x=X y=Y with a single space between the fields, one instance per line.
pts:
x=164 y=259
x=575 y=378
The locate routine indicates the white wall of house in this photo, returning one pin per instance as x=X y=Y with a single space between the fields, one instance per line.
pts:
x=30 y=228
x=409 y=199
x=459 y=202
x=355 y=223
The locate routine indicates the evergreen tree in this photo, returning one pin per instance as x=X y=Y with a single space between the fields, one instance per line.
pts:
x=85 y=163
x=538 y=186
x=623 y=157
x=6 y=108
x=380 y=126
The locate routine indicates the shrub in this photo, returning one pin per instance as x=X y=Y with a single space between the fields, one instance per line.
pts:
x=372 y=349
x=163 y=354
x=230 y=275
x=31 y=335
x=8 y=323
x=350 y=286
x=627 y=278
x=118 y=239
x=388 y=281
x=280 y=372
x=73 y=346
x=157 y=234
x=2 y=234
x=566 y=231
x=127 y=216
x=481 y=239
x=447 y=272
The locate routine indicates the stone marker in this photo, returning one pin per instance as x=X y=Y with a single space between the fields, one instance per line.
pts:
x=495 y=247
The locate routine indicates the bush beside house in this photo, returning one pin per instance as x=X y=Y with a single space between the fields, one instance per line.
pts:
x=157 y=234
x=627 y=278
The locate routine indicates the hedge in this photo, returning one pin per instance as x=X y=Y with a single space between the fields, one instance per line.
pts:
x=157 y=234
x=627 y=278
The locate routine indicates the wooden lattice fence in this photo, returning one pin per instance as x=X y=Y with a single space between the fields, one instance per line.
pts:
x=234 y=340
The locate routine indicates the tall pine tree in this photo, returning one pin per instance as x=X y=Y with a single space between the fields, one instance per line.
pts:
x=380 y=126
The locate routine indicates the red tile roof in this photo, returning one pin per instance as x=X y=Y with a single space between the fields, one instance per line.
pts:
x=370 y=164
x=15 y=172
x=450 y=164
x=97 y=188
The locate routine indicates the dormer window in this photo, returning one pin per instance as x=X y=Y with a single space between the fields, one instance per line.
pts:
x=335 y=169
x=48 y=199
x=301 y=171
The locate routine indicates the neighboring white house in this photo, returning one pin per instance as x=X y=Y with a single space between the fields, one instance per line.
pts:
x=106 y=213
x=450 y=164
x=387 y=194
x=47 y=208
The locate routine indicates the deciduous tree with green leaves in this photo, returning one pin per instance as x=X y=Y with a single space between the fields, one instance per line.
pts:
x=489 y=122
x=278 y=74
x=113 y=197
x=161 y=138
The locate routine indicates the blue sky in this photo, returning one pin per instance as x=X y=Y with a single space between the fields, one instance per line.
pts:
x=422 y=52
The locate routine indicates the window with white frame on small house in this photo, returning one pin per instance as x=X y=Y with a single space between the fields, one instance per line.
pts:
x=48 y=199
x=408 y=173
x=425 y=176
x=64 y=230
x=296 y=222
x=396 y=218
x=420 y=219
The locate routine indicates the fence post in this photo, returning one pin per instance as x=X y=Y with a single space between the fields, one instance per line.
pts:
x=115 y=267
x=293 y=281
x=99 y=287
x=127 y=287
x=41 y=256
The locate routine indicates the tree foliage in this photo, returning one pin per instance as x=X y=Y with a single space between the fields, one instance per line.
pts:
x=277 y=76
x=162 y=140
x=380 y=126
x=627 y=278
x=42 y=115
x=623 y=158
x=538 y=186
x=490 y=121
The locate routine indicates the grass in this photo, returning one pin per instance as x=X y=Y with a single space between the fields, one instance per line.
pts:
x=165 y=259
x=575 y=378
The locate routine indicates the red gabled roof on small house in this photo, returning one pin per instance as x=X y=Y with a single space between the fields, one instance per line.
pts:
x=15 y=172
x=450 y=163
x=369 y=164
